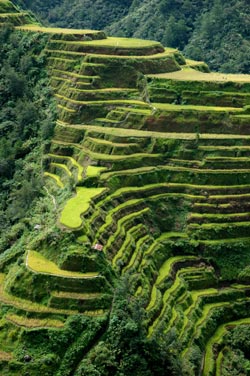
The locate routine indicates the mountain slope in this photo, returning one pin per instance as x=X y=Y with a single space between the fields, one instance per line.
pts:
x=209 y=30
x=126 y=250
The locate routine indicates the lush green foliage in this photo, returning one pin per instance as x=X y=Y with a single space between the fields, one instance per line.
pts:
x=143 y=282
x=26 y=121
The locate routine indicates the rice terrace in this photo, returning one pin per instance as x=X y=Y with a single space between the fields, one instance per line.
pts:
x=151 y=154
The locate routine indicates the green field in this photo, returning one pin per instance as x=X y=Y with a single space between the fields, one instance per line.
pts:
x=77 y=206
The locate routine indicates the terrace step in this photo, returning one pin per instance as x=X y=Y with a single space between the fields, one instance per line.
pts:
x=209 y=365
x=71 y=164
x=55 y=178
x=216 y=231
x=79 y=301
x=132 y=234
x=31 y=323
x=27 y=305
x=175 y=291
x=113 y=243
x=218 y=218
x=110 y=46
x=37 y=263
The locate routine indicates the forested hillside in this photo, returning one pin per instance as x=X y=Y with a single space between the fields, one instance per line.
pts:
x=216 y=31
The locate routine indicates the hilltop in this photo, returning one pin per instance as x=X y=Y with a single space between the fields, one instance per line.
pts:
x=131 y=255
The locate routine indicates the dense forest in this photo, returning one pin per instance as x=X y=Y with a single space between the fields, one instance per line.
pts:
x=215 y=31
x=26 y=122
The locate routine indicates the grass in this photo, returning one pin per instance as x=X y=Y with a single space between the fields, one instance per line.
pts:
x=104 y=102
x=194 y=75
x=74 y=295
x=93 y=171
x=55 y=30
x=121 y=132
x=62 y=167
x=176 y=107
x=122 y=43
x=33 y=323
x=168 y=52
x=155 y=296
x=78 y=205
x=73 y=163
x=56 y=178
x=75 y=75
x=107 y=157
x=39 y=264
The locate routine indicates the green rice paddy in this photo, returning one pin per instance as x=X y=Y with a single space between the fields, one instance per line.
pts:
x=77 y=206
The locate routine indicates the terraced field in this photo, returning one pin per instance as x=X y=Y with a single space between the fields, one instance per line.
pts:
x=156 y=153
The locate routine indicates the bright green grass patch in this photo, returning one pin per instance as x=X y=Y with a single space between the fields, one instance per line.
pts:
x=214 y=216
x=39 y=264
x=82 y=239
x=121 y=132
x=194 y=75
x=33 y=323
x=122 y=43
x=78 y=205
x=223 y=241
x=176 y=107
x=55 y=30
x=155 y=294
x=56 y=178
x=93 y=171
x=209 y=361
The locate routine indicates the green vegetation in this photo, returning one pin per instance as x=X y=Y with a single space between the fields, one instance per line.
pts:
x=78 y=205
x=203 y=29
x=124 y=229
x=39 y=264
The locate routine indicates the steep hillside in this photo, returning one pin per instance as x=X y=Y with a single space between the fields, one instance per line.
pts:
x=210 y=30
x=135 y=258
